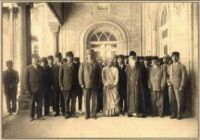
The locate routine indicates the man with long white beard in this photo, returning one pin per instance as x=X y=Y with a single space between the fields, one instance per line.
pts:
x=135 y=96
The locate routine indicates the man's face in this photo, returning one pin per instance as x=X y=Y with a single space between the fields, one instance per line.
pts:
x=50 y=61
x=35 y=61
x=90 y=57
x=110 y=62
x=154 y=62
x=69 y=59
x=42 y=64
x=175 y=58
x=57 y=60
x=146 y=62
x=120 y=61
x=165 y=60
x=9 y=66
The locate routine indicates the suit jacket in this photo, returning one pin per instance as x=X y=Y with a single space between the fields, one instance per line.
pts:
x=55 y=69
x=157 y=78
x=90 y=75
x=122 y=77
x=68 y=76
x=33 y=79
x=47 y=76
x=10 y=78
x=177 y=75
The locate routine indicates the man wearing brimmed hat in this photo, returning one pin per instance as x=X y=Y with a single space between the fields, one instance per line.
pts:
x=89 y=79
x=34 y=86
x=58 y=99
x=157 y=82
x=177 y=77
x=10 y=81
x=68 y=80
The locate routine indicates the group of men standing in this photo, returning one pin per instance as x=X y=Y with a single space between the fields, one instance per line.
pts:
x=133 y=87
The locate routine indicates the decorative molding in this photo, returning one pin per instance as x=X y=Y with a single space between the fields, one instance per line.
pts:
x=178 y=8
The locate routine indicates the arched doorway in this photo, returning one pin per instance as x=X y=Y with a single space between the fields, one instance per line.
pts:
x=107 y=38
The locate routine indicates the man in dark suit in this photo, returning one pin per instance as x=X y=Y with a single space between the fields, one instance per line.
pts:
x=58 y=97
x=47 y=84
x=34 y=86
x=122 y=84
x=177 y=76
x=68 y=75
x=10 y=81
x=50 y=60
x=145 y=74
x=79 y=90
x=89 y=79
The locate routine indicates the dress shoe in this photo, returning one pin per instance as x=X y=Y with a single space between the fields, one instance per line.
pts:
x=41 y=118
x=55 y=115
x=32 y=119
x=130 y=115
x=74 y=116
x=179 y=117
x=87 y=117
x=94 y=117
x=172 y=116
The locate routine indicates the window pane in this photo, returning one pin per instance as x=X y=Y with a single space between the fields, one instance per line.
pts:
x=103 y=37
x=94 y=38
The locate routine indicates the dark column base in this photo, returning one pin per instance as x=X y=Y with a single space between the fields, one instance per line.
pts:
x=23 y=104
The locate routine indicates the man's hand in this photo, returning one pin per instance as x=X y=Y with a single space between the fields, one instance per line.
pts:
x=180 y=89
x=62 y=88
x=82 y=86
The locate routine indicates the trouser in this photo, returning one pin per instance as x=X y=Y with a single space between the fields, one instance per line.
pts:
x=157 y=103
x=90 y=93
x=166 y=107
x=47 y=100
x=175 y=101
x=11 y=99
x=36 y=97
x=147 y=99
x=123 y=100
x=79 y=95
x=56 y=99
x=62 y=103
x=69 y=95
x=100 y=99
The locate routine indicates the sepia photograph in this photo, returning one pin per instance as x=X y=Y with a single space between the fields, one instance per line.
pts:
x=99 y=69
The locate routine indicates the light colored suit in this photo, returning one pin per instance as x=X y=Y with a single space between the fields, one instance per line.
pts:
x=90 y=78
x=177 y=76
x=157 y=83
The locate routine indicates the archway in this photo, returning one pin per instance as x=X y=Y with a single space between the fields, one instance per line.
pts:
x=106 y=37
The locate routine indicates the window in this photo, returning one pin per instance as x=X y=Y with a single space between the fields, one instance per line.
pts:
x=164 y=16
x=102 y=36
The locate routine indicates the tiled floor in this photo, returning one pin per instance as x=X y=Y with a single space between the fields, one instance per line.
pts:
x=122 y=126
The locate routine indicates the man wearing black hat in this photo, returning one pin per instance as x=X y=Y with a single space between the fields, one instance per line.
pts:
x=34 y=86
x=47 y=84
x=68 y=80
x=89 y=79
x=58 y=97
x=10 y=81
x=135 y=96
x=122 y=84
x=157 y=82
x=177 y=77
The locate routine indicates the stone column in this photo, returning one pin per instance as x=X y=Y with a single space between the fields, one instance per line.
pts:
x=25 y=52
x=54 y=27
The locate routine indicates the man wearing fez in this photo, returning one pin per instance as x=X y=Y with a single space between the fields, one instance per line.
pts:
x=48 y=83
x=157 y=83
x=58 y=97
x=68 y=80
x=10 y=81
x=122 y=84
x=135 y=96
x=145 y=74
x=89 y=79
x=34 y=86
x=177 y=77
